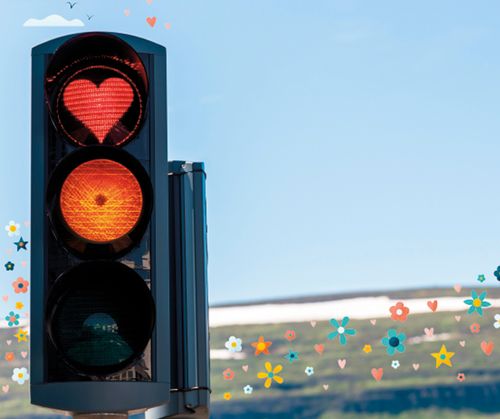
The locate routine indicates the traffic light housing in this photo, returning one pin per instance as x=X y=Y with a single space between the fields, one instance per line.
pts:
x=100 y=303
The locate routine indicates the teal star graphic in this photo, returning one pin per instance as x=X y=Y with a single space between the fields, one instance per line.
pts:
x=481 y=278
x=9 y=266
x=21 y=244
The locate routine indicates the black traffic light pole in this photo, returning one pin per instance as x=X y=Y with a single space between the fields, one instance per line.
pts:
x=99 y=131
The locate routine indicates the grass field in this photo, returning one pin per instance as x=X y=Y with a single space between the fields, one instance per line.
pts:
x=351 y=392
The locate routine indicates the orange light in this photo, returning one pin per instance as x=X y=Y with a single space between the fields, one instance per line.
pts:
x=101 y=200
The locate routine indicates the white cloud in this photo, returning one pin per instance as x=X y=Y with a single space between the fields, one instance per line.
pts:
x=53 y=20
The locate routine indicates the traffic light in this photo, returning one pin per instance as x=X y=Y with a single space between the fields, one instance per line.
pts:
x=100 y=302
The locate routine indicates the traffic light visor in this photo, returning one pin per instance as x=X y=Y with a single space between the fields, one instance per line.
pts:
x=97 y=88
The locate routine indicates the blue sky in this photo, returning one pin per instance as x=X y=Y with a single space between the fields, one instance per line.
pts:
x=350 y=145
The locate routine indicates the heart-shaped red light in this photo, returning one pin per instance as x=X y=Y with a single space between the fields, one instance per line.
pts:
x=99 y=108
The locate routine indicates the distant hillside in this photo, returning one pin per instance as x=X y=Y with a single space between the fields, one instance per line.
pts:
x=406 y=392
x=393 y=294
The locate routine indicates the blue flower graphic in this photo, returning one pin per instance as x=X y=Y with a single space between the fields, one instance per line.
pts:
x=340 y=330
x=394 y=341
x=12 y=319
x=477 y=303
x=292 y=356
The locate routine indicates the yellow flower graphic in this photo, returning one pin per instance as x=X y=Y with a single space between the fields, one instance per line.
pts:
x=271 y=374
x=227 y=396
x=21 y=336
x=19 y=305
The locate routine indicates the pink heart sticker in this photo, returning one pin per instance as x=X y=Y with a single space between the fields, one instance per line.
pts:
x=24 y=354
x=325 y=386
x=458 y=318
x=462 y=343
x=373 y=322
x=457 y=288
x=377 y=373
x=416 y=367
x=5 y=388
x=487 y=347
x=313 y=323
x=244 y=368
x=342 y=363
x=151 y=21
x=319 y=348
x=5 y=298
x=126 y=12
x=433 y=305
x=429 y=332
x=9 y=342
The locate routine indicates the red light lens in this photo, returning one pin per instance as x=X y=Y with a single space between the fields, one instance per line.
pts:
x=98 y=107
x=101 y=200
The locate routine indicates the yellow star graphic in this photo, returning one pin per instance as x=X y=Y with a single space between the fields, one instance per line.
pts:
x=21 y=336
x=443 y=357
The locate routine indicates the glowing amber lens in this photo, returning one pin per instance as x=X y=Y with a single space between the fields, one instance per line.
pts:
x=101 y=200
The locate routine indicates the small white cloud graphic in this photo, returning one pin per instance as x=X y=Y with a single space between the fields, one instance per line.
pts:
x=53 y=20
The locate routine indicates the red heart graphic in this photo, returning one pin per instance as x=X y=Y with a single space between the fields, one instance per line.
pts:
x=487 y=347
x=99 y=108
x=377 y=373
x=319 y=348
x=432 y=304
x=151 y=21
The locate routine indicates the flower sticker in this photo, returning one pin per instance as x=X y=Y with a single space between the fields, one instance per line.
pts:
x=12 y=319
x=248 y=389
x=12 y=229
x=292 y=356
x=19 y=305
x=227 y=395
x=21 y=336
x=399 y=312
x=477 y=303
x=9 y=266
x=481 y=278
x=20 y=286
x=9 y=356
x=367 y=348
x=261 y=347
x=475 y=328
x=271 y=374
x=395 y=364
x=20 y=375
x=290 y=335
x=394 y=342
x=461 y=377
x=340 y=330
x=497 y=321
x=233 y=344
x=228 y=374
x=309 y=371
